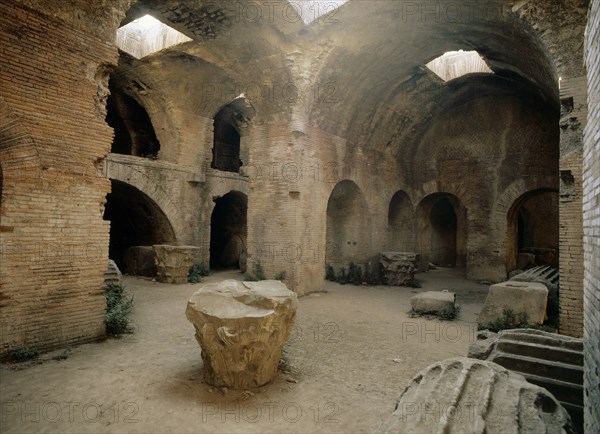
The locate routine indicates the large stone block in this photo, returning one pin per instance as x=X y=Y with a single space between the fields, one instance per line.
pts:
x=547 y=276
x=398 y=267
x=529 y=298
x=241 y=328
x=173 y=263
x=140 y=261
x=472 y=396
x=549 y=360
x=433 y=302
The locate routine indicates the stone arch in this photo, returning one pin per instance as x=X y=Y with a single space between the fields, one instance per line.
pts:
x=442 y=231
x=348 y=237
x=130 y=174
x=229 y=231
x=531 y=220
x=230 y=124
x=401 y=223
x=136 y=220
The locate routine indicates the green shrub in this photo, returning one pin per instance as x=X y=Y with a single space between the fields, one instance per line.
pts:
x=508 y=320
x=259 y=272
x=280 y=276
x=445 y=315
x=342 y=276
x=118 y=309
x=355 y=274
x=330 y=273
x=21 y=353
x=248 y=277
x=372 y=274
x=197 y=271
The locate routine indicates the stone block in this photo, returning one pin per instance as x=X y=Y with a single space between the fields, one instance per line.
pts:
x=398 y=267
x=140 y=261
x=241 y=328
x=173 y=263
x=529 y=298
x=472 y=396
x=113 y=276
x=433 y=302
x=525 y=261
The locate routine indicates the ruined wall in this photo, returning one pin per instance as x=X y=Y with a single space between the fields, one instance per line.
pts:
x=591 y=216
x=53 y=79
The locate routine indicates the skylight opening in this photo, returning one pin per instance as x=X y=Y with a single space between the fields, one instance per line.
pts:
x=454 y=64
x=147 y=35
x=312 y=10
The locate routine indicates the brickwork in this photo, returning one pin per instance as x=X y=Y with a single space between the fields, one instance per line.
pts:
x=591 y=216
x=54 y=242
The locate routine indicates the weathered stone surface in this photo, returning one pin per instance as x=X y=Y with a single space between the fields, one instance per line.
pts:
x=241 y=328
x=433 y=301
x=525 y=260
x=549 y=360
x=528 y=298
x=140 y=261
x=398 y=267
x=173 y=262
x=113 y=275
x=549 y=277
x=471 y=396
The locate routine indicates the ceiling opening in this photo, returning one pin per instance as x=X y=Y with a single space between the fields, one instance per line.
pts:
x=454 y=64
x=147 y=35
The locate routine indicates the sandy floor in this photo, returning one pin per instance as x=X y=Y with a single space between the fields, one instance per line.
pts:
x=352 y=352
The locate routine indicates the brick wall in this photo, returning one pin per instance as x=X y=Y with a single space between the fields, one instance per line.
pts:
x=591 y=216
x=52 y=140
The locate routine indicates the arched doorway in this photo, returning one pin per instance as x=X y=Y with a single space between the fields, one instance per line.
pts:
x=442 y=224
x=229 y=123
x=135 y=220
x=348 y=226
x=229 y=231
x=134 y=133
x=533 y=230
x=401 y=224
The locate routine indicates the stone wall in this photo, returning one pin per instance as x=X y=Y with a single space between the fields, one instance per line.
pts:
x=53 y=79
x=591 y=216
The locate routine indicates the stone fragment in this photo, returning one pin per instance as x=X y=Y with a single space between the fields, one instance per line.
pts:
x=550 y=278
x=549 y=360
x=472 y=396
x=173 y=263
x=433 y=302
x=525 y=260
x=528 y=298
x=398 y=267
x=241 y=328
x=139 y=261
x=113 y=276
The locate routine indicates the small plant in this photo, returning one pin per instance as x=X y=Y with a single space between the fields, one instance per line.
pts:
x=118 y=309
x=21 y=353
x=342 y=276
x=197 y=271
x=412 y=283
x=508 y=320
x=64 y=355
x=330 y=273
x=448 y=314
x=372 y=274
x=355 y=274
x=247 y=277
x=258 y=274
x=280 y=276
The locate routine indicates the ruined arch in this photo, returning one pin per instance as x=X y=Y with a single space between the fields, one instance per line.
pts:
x=136 y=220
x=133 y=130
x=348 y=226
x=442 y=231
x=401 y=223
x=229 y=231
x=533 y=228
x=229 y=125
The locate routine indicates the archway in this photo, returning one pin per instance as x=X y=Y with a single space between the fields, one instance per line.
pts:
x=134 y=133
x=348 y=227
x=135 y=220
x=228 y=230
x=401 y=224
x=533 y=230
x=442 y=224
x=229 y=123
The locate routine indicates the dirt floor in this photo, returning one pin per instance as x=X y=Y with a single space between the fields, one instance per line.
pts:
x=352 y=352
